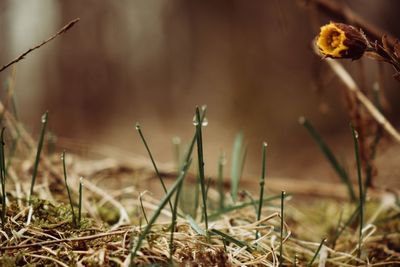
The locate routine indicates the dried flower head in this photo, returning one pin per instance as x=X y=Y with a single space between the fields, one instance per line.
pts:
x=338 y=40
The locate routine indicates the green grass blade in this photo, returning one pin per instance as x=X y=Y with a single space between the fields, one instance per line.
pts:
x=142 y=208
x=167 y=197
x=176 y=142
x=74 y=222
x=194 y=139
x=262 y=183
x=196 y=196
x=139 y=130
x=38 y=152
x=3 y=180
x=173 y=223
x=231 y=239
x=330 y=156
x=221 y=163
x=360 y=187
x=188 y=154
x=208 y=185
x=281 y=235
x=249 y=195
x=238 y=157
x=201 y=165
x=157 y=213
x=316 y=252
x=80 y=201
x=338 y=228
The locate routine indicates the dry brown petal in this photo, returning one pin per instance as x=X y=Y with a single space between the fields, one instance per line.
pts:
x=396 y=48
x=385 y=44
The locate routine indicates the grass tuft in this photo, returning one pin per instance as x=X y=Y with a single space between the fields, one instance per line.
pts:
x=160 y=207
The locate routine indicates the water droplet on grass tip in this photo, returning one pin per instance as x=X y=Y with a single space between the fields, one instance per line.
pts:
x=137 y=126
x=44 y=118
x=204 y=123
x=265 y=144
x=302 y=120
x=195 y=122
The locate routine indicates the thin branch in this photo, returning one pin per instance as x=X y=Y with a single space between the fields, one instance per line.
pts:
x=23 y=55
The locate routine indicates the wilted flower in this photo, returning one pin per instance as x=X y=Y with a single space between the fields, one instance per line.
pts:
x=338 y=40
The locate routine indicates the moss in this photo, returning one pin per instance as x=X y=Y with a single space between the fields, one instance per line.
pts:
x=108 y=213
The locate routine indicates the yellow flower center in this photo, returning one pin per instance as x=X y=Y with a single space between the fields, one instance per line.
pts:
x=330 y=40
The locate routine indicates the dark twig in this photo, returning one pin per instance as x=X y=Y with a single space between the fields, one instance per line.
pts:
x=23 y=55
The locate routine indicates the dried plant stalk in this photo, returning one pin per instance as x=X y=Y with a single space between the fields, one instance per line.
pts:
x=351 y=85
x=23 y=55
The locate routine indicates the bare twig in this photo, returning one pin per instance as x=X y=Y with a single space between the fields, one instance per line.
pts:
x=22 y=56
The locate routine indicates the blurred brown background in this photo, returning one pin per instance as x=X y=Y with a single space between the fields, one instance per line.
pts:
x=153 y=61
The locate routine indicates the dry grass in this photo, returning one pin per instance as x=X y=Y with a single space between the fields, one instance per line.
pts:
x=116 y=206
x=113 y=219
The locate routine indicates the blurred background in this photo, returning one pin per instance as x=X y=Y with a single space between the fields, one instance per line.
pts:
x=153 y=61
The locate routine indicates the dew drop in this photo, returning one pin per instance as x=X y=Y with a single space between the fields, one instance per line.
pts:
x=204 y=123
x=137 y=126
x=302 y=120
x=195 y=121
x=44 y=118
